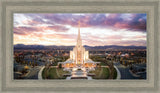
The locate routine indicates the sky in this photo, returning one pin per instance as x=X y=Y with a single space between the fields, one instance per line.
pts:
x=98 y=29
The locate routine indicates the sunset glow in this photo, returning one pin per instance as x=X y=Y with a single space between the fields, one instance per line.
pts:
x=96 y=29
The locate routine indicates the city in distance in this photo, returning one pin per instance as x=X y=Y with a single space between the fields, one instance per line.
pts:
x=80 y=46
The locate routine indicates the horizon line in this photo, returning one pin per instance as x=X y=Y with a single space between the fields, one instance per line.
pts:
x=74 y=45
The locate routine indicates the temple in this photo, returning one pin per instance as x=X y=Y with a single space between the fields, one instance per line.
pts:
x=79 y=55
x=79 y=61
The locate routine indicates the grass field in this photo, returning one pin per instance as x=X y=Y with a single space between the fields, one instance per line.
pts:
x=101 y=73
x=115 y=74
x=44 y=73
x=53 y=73
x=58 y=73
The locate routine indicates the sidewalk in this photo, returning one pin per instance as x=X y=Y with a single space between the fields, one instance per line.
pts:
x=118 y=73
x=40 y=73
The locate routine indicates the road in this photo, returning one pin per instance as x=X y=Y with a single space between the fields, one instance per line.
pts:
x=125 y=74
x=33 y=73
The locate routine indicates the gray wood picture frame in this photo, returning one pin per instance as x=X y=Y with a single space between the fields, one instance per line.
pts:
x=8 y=7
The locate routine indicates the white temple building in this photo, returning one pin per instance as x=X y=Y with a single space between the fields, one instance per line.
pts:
x=79 y=58
x=79 y=55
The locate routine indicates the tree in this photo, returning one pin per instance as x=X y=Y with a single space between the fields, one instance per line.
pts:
x=33 y=64
x=36 y=64
x=30 y=63
x=60 y=66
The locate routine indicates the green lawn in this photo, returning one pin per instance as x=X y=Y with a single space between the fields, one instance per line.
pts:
x=115 y=74
x=54 y=73
x=103 y=64
x=105 y=74
x=61 y=72
x=58 y=73
x=100 y=59
x=44 y=72
x=101 y=73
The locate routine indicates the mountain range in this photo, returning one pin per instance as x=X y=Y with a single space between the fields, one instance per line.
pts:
x=22 y=46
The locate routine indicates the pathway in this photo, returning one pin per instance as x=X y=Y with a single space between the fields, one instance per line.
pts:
x=124 y=71
x=40 y=73
x=33 y=74
x=79 y=74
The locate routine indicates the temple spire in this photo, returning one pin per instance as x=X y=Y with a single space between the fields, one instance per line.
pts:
x=79 y=36
x=79 y=41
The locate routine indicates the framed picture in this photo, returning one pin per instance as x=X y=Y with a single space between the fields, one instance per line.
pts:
x=80 y=46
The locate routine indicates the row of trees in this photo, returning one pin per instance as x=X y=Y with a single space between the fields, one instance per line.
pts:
x=22 y=61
